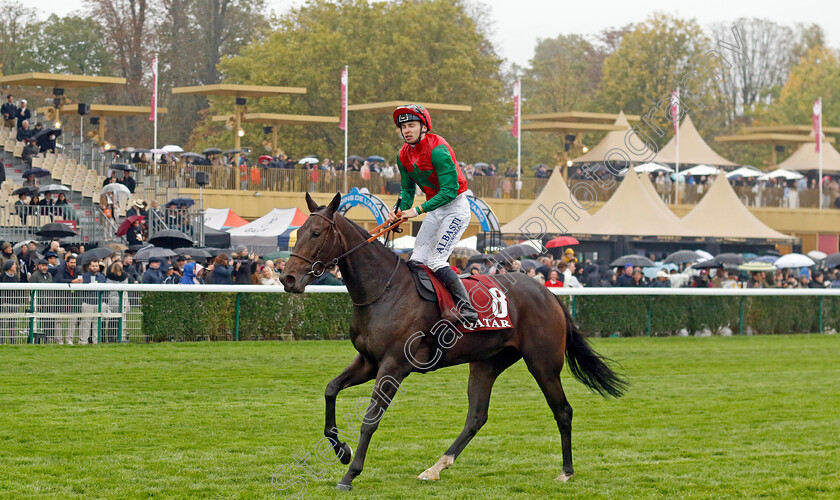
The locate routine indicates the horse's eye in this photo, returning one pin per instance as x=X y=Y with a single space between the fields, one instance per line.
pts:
x=315 y=234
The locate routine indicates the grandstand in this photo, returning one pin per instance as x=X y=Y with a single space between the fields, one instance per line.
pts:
x=84 y=180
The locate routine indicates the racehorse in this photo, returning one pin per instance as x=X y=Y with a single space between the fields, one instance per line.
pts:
x=388 y=325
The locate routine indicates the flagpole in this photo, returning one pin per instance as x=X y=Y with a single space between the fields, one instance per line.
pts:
x=154 y=110
x=519 y=143
x=819 y=148
x=344 y=106
x=677 y=139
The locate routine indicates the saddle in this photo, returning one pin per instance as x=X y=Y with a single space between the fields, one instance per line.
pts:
x=490 y=303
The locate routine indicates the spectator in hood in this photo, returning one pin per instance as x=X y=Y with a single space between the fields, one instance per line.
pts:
x=592 y=275
x=190 y=270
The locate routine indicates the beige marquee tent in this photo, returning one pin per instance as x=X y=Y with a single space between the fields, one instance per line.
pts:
x=552 y=212
x=693 y=149
x=722 y=214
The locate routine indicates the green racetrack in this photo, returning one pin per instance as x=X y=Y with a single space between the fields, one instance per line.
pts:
x=717 y=417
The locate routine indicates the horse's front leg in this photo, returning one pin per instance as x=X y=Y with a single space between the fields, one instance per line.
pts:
x=387 y=384
x=358 y=372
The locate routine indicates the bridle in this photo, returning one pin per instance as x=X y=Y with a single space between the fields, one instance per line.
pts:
x=317 y=268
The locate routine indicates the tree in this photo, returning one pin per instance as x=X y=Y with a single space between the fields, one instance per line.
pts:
x=816 y=75
x=18 y=27
x=72 y=45
x=649 y=64
x=769 y=55
x=392 y=56
x=562 y=76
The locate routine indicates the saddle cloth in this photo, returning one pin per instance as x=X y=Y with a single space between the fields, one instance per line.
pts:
x=489 y=300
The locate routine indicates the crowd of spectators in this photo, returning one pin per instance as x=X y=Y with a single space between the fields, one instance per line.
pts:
x=17 y=116
x=568 y=272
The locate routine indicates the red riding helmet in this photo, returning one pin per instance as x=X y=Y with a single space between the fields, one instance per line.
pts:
x=412 y=113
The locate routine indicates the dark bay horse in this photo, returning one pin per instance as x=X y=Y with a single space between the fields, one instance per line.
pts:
x=396 y=333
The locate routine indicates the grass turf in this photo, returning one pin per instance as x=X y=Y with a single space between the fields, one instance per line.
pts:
x=737 y=417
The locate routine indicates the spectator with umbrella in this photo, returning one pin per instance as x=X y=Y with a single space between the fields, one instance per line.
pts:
x=626 y=278
x=30 y=150
x=29 y=178
x=127 y=180
x=46 y=139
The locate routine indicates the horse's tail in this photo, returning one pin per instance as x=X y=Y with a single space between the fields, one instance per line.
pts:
x=588 y=366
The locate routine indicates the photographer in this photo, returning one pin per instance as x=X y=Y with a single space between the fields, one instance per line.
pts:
x=244 y=265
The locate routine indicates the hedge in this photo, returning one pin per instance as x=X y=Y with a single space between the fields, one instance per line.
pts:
x=272 y=316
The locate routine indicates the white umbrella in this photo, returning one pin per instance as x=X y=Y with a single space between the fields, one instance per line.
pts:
x=172 y=148
x=158 y=151
x=745 y=171
x=470 y=242
x=701 y=170
x=308 y=160
x=704 y=255
x=55 y=188
x=793 y=260
x=119 y=190
x=780 y=172
x=817 y=255
x=652 y=167
x=404 y=242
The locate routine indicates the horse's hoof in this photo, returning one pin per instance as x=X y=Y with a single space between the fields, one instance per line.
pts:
x=429 y=475
x=564 y=477
x=346 y=453
x=344 y=487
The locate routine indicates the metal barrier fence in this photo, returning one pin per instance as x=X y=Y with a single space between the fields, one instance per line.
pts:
x=100 y=313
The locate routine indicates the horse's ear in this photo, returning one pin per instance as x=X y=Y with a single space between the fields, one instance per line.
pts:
x=333 y=206
x=313 y=207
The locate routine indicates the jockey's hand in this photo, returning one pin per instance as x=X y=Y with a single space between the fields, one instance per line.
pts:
x=394 y=215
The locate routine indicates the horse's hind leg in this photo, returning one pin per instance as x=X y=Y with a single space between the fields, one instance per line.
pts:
x=482 y=376
x=547 y=374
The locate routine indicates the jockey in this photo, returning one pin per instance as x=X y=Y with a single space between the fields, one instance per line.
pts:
x=426 y=159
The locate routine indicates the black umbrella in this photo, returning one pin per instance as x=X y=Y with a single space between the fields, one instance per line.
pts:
x=25 y=190
x=45 y=134
x=211 y=151
x=179 y=201
x=124 y=166
x=682 y=256
x=537 y=167
x=375 y=159
x=635 y=260
x=36 y=172
x=191 y=155
x=237 y=151
x=148 y=253
x=193 y=252
x=170 y=238
x=55 y=230
x=355 y=158
x=216 y=251
x=113 y=150
x=773 y=252
x=832 y=260
x=729 y=260
x=95 y=254
x=708 y=264
x=516 y=251
x=480 y=258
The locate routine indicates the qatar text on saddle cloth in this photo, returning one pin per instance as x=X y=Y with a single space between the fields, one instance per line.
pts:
x=490 y=302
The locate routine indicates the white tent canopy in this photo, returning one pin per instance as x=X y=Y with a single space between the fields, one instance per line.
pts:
x=745 y=171
x=652 y=167
x=262 y=235
x=701 y=170
x=780 y=172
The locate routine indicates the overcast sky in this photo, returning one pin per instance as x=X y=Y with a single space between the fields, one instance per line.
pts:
x=519 y=23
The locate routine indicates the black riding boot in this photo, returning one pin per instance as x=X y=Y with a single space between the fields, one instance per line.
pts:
x=459 y=293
